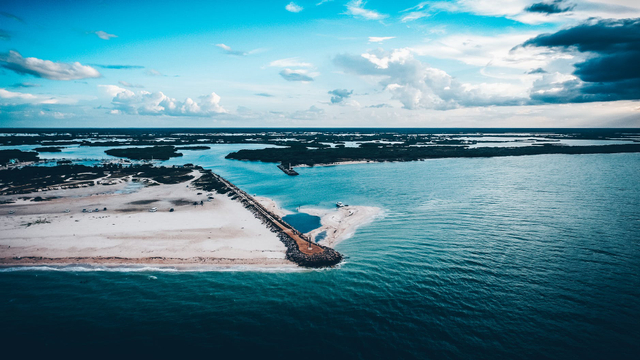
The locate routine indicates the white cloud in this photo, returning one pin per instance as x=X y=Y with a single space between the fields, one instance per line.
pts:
x=157 y=103
x=293 y=7
x=26 y=98
x=419 y=86
x=290 y=62
x=45 y=68
x=427 y=8
x=356 y=8
x=6 y=94
x=497 y=51
x=104 y=35
x=379 y=40
x=579 y=9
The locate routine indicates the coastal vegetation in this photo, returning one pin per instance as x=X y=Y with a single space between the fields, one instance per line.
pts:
x=48 y=149
x=33 y=178
x=381 y=152
x=146 y=153
x=6 y=156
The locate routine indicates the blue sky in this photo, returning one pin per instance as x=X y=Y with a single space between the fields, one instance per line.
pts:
x=459 y=63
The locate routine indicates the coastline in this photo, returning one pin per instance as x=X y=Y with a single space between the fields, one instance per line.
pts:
x=218 y=231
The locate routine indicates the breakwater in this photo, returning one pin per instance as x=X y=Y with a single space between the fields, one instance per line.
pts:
x=300 y=249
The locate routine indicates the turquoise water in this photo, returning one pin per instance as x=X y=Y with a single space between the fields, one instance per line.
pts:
x=517 y=257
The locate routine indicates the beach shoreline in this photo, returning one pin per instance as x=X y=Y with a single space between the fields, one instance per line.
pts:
x=167 y=224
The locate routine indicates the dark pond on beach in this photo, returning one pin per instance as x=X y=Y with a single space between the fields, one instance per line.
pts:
x=514 y=258
x=303 y=222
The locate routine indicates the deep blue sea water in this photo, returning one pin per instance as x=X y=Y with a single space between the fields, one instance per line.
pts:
x=517 y=257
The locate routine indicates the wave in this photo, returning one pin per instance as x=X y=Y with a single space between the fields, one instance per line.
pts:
x=171 y=269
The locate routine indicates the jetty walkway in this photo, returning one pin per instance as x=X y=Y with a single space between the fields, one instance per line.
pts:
x=300 y=249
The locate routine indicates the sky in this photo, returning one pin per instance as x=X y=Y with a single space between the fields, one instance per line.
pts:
x=320 y=63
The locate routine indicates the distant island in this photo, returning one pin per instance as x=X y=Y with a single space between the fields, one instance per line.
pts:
x=372 y=152
x=9 y=156
x=48 y=149
x=146 y=153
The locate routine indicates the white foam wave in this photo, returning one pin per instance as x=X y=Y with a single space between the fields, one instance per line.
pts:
x=129 y=268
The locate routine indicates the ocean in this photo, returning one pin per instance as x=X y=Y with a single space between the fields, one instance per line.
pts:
x=517 y=257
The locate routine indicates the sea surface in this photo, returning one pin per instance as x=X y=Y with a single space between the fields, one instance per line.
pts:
x=526 y=257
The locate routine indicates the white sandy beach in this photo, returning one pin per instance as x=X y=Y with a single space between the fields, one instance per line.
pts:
x=221 y=231
x=341 y=223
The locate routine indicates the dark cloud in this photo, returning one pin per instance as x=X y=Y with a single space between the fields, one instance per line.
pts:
x=118 y=67
x=554 y=7
x=611 y=70
x=295 y=75
x=339 y=95
x=537 y=71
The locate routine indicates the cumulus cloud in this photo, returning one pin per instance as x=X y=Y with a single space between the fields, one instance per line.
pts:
x=417 y=85
x=157 y=103
x=45 y=68
x=356 y=8
x=496 y=51
x=295 y=75
x=380 y=39
x=611 y=71
x=293 y=7
x=554 y=7
x=264 y=94
x=103 y=35
x=339 y=95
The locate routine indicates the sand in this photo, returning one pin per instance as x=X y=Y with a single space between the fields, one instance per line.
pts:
x=272 y=206
x=342 y=223
x=220 y=231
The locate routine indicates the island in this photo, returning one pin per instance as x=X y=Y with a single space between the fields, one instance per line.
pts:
x=303 y=156
x=146 y=153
